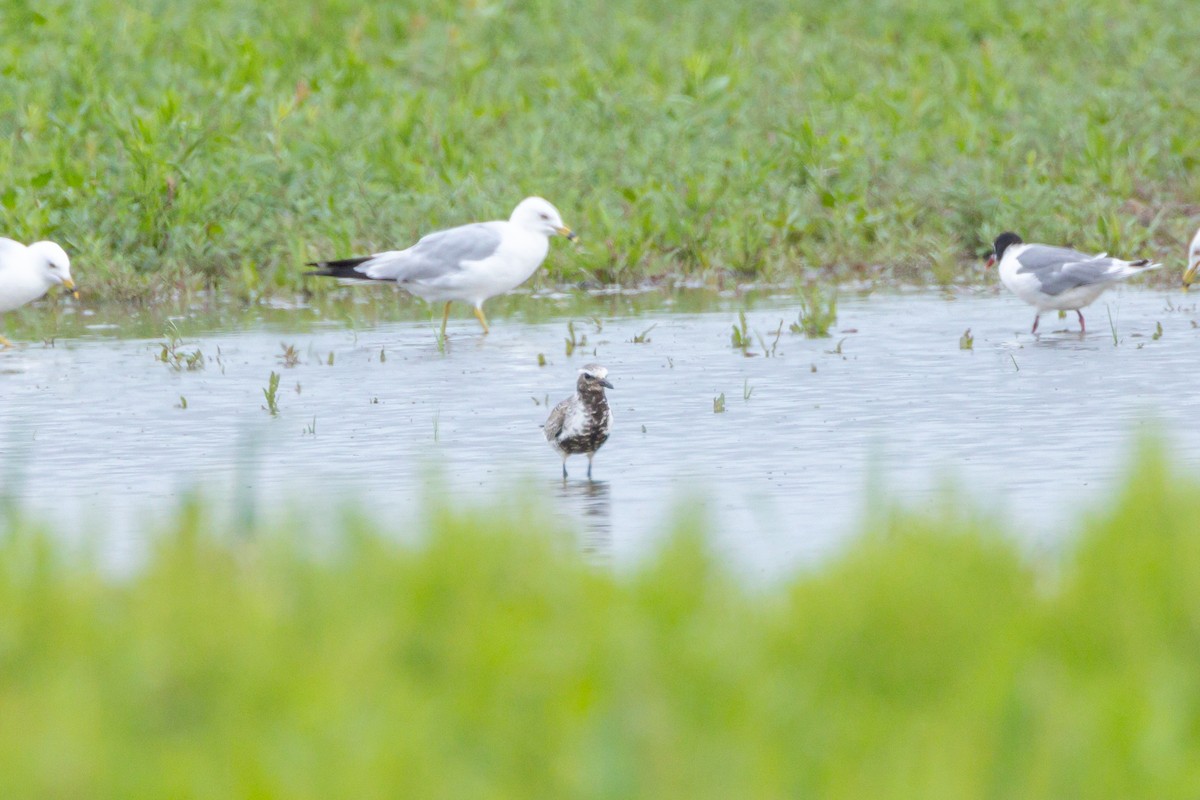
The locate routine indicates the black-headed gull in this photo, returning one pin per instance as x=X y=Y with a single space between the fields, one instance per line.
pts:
x=1058 y=278
x=580 y=424
x=469 y=263
x=1193 y=268
x=26 y=273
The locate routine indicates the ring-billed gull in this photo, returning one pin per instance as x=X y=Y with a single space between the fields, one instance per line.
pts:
x=1058 y=278
x=580 y=424
x=1193 y=268
x=469 y=263
x=26 y=273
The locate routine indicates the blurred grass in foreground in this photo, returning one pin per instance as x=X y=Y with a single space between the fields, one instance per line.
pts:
x=182 y=144
x=929 y=660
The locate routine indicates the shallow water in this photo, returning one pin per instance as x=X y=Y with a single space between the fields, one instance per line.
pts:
x=1033 y=428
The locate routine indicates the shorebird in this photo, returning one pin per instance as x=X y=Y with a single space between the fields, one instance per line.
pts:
x=1058 y=278
x=470 y=263
x=26 y=273
x=581 y=423
x=1189 y=277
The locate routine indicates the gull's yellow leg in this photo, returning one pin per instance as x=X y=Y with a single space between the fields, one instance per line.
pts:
x=445 y=318
x=482 y=319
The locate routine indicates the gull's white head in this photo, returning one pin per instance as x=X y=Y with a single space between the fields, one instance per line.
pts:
x=54 y=264
x=538 y=215
x=592 y=377
x=1193 y=268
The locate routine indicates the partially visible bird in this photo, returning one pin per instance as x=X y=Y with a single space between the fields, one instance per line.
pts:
x=1058 y=278
x=580 y=424
x=1193 y=269
x=470 y=263
x=26 y=273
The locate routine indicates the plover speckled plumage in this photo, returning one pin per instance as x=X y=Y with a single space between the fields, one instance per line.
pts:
x=26 y=273
x=1058 y=278
x=469 y=263
x=580 y=424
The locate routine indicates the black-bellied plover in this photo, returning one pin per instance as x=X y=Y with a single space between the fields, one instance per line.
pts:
x=1058 y=278
x=26 y=273
x=469 y=263
x=580 y=424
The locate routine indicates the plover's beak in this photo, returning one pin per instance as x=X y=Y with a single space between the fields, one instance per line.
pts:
x=70 y=284
x=1190 y=276
x=563 y=230
x=604 y=382
x=991 y=262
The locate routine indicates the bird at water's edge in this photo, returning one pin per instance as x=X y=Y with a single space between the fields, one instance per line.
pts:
x=26 y=273
x=1058 y=278
x=1193 y=268
x=580 y=424
x=470 y=263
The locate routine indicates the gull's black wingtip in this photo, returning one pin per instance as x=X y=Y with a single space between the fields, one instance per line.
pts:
x=340 y=268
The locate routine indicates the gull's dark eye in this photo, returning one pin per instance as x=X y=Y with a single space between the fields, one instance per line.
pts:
x=544 y=216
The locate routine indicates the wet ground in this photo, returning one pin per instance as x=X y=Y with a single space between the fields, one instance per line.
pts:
x=101 y=436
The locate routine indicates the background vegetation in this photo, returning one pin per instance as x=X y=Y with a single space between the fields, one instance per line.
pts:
x=181 y=144
x=489 y=659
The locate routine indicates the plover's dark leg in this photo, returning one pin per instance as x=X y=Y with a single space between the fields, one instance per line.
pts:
x=1035 y=322
x=564 y=469
x=590 y=457
x=1082 y=326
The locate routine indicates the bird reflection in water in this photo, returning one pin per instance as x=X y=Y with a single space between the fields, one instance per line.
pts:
x=590 y=503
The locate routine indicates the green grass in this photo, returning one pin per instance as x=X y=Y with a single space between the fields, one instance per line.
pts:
x=182 y=144
x=487 y=658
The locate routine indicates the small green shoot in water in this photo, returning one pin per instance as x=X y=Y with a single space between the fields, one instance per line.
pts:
x=1157 y=332
x=541 y=359
x=176 y=358
x=330 y=362
x=818 y=312
x=741 y=339
x=311 y=428
x=719 y=404
x=382 y=355
x=837 y=351
x=182 y=403
x=1112 y=325
x=290 y=356
x=572 y=340
x=966 y=341
x=643 y=338
x=769 y=351
x=272 y=389
x=747 y=389
x=436 y=415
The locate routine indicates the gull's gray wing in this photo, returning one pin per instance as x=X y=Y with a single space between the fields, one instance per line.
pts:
x=436 y=255
x=1059 y=269
x=554 y=422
